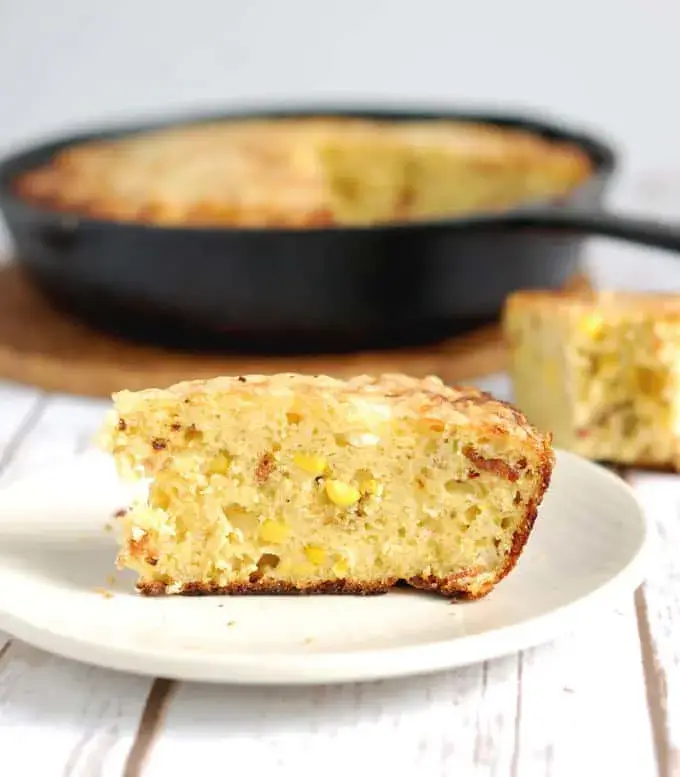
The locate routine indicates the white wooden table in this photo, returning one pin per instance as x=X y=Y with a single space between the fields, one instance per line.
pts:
x=602 y=702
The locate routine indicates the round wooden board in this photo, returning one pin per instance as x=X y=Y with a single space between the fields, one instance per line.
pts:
x=44 y=347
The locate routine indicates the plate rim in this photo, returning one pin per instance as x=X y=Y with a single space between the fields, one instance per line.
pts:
x=310 y=668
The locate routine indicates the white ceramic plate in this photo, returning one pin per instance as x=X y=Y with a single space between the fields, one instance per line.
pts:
x=56 y=557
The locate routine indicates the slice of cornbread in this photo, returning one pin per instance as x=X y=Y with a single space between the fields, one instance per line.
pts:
x=601 y=371
x=294 y=483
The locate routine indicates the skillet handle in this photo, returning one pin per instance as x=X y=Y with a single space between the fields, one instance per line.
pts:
x=647 y=232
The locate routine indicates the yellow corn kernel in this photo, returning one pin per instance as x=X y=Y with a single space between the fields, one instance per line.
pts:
x=220 y=464
x=650 y=382
x=315 y=554
x=605 y=362
x=312 y=465
x=293 y=418
x=371 y=487
x=342 y=494
x=591 y=325
x=340 y=568
x=274 y=532
x=158 y=497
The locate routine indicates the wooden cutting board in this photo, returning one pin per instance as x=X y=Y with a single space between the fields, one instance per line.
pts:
x=44 y=347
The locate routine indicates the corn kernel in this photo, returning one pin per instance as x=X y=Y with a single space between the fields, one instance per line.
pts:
x=274 y=532
x=340 y=568
x=649 y=381
x=312 y=465
x=371 y=487
x=315 y=554
x=158 y=497
x=293 y=418
x=342 y=494
x=591 y=325
x=605 y=362
x=220 y=464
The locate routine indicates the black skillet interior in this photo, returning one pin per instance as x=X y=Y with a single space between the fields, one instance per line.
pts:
x=302 y=290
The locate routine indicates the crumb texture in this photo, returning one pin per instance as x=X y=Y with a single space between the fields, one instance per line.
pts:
x=600 y=371
x=294 y=483
x=304 y=172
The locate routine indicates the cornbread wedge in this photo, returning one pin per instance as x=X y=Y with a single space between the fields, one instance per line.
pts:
x=293 y=483
x=601 y=371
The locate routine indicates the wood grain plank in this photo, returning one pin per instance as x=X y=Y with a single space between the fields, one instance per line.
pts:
x=659 y=612
x=433 y=725
x=655 y=686
x=85 y=719
x=582 y=705
x=150 y=725
x=496 y=731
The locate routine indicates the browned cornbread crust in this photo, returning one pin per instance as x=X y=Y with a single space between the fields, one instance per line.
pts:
x=664 y=305
x=303 y=172
x=472 y=417
x=451 y=586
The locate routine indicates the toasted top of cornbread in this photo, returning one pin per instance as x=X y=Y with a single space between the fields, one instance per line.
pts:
x=306 y=171
x=614 y=304
x=388 y=395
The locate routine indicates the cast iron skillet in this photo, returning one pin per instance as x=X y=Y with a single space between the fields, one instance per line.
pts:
x=319 y=288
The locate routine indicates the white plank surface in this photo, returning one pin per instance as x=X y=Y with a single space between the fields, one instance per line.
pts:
x=583 y=707
x=58 y=717
x=577 y=706
x=660 y=495
x=19 y=408
x=425 y=726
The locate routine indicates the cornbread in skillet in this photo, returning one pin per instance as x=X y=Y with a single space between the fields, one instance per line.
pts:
x=304 y=172
x=601 y=371
x=293 y=483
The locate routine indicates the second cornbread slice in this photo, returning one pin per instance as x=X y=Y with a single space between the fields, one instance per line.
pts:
x=601 y=371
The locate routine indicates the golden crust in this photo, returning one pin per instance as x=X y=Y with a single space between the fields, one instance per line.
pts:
x=615 y=305
x=276 y=172
x=406 y=395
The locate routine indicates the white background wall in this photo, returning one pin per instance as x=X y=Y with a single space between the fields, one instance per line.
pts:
x=612 y=65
